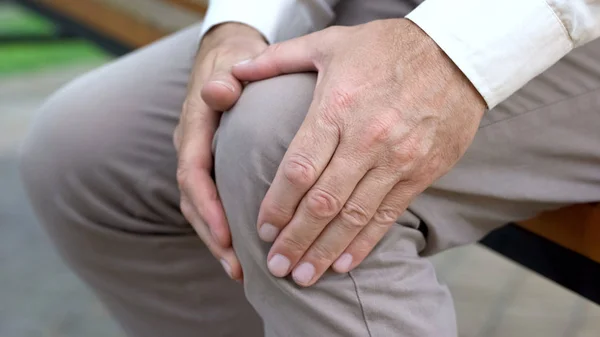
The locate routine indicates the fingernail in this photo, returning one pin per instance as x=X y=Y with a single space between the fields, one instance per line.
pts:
x=268 y=232
x=304 y=273
x=224 y=84
x=342 y=265
x=227 y=267
x=243 y=62
x=279 y=265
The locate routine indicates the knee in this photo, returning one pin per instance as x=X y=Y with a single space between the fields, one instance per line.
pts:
x=53 y=148
x=259 y=128
x=250 y=143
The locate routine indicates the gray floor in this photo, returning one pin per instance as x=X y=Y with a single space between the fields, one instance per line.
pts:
x=40 y=297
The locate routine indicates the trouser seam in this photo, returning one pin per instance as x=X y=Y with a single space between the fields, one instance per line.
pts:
x=362 y=308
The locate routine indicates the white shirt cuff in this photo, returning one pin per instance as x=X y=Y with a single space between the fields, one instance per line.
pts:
x=498 y=45
x=276 y=20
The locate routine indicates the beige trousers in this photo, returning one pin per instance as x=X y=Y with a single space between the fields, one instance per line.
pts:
x=99 y=167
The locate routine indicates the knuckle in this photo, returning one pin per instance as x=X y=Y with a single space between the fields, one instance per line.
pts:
x=192 y=103
x=361 y=246
x=405 y=153
x=294 y=245
x=274 y=212
x=364 y=245
x=299 y=171
x=322 y=254
x=433 y=166
x=177 y=137
x=378 y=132
x=188 y=212
x=340 y=99
x=385 y=216
x=368 y=239
x=322 y=205
x=185 y=208
x=274 y=49
x=353 y=217
x=182 y=175
x=330 y=120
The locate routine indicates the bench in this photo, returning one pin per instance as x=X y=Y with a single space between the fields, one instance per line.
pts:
x=121 y=26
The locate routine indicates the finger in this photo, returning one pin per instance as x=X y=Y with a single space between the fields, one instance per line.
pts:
x=305 y=160
x=292 y=56
x=195 y=165
x=394 y=204
x=318 y=207
x=341 y=231
x=226 y=256
x=177 y=137
x=203 y=195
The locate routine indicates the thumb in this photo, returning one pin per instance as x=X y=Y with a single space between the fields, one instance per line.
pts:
x=293 y=56
x=221 y=90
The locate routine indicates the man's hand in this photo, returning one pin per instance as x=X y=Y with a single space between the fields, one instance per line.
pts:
x=212 y=89
x=391 y=113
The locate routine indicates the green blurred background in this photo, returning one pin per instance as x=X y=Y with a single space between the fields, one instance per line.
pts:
x=17 y=57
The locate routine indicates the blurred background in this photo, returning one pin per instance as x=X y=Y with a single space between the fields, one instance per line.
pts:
x=518 y=282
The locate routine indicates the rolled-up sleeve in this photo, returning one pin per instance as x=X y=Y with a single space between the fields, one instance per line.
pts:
x=500 y=45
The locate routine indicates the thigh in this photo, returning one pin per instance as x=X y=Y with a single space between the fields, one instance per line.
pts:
x=537 y=151
x=99 y=166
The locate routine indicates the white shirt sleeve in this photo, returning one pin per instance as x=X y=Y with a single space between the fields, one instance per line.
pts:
x=500 y=45
x=276 y=20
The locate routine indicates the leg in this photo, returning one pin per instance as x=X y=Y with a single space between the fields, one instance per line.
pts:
x=537 y=151
x=393 y=293
x=511 y=172
x=99 y=167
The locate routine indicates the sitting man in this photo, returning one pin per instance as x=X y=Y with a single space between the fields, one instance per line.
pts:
x=318 y=165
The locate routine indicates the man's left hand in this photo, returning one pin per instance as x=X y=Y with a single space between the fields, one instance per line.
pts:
x=391 y=113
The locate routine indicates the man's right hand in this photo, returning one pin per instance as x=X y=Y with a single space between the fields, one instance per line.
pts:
x=212 y=89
